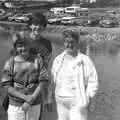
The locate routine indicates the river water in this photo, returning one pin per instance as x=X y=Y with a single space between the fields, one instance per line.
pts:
x=107 y=63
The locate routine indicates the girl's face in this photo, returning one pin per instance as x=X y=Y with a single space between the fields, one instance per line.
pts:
x=69 y=44
x=37 y=29
x=22 y=50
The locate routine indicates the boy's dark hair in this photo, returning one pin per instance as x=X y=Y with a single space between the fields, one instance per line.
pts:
x=38 y=19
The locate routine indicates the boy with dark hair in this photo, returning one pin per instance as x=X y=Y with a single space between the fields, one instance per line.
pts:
x=39 y=44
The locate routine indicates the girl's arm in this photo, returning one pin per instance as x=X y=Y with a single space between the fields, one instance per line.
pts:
x=7 y=81
x=13 y=92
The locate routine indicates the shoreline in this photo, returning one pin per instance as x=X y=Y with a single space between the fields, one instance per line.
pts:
x=89 y=35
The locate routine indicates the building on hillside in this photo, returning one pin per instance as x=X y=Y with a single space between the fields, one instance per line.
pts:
x=86 y=1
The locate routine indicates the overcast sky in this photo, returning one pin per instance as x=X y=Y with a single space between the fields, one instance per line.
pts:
x=45 y=0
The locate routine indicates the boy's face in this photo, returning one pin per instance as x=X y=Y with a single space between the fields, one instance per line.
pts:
x=37 y=29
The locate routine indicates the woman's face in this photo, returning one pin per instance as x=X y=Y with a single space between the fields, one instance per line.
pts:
x=22 y=50
x=37 y=29
x=69 y=44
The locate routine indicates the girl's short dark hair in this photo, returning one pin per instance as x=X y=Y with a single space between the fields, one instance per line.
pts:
x=71 y=33
x=19 y=39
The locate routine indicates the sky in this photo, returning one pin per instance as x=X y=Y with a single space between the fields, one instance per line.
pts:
x=45 y=0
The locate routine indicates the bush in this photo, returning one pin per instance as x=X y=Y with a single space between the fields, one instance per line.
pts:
x=90 y=34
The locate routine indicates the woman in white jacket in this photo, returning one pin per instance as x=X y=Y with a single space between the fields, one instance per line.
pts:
x=75 y=79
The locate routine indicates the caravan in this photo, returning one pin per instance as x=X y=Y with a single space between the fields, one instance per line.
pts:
x=71 y=9
x=57 y=10
x=77 y=11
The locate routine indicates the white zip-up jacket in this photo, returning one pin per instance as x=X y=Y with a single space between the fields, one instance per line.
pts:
x=85 y=76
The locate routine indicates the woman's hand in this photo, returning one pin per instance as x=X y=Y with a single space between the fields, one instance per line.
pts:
x=28 y=99
x=26 y=106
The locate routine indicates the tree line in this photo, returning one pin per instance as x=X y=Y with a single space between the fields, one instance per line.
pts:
x=83 y=3
x=87 y=3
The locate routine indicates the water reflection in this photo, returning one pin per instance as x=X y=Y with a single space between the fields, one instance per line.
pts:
x=109 y=49
x=107 y=62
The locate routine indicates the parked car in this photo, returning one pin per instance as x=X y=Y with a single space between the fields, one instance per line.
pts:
x=20 y=17
x=74 y=21
x=93 y=22
x=12 y=18
x=23 y=18
x=68 y=21
x=54 y=21
x=108 y=23
x=111 y=12
x=94 y=19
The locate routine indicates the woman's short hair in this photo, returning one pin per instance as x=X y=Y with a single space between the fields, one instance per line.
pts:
x=69 y=32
